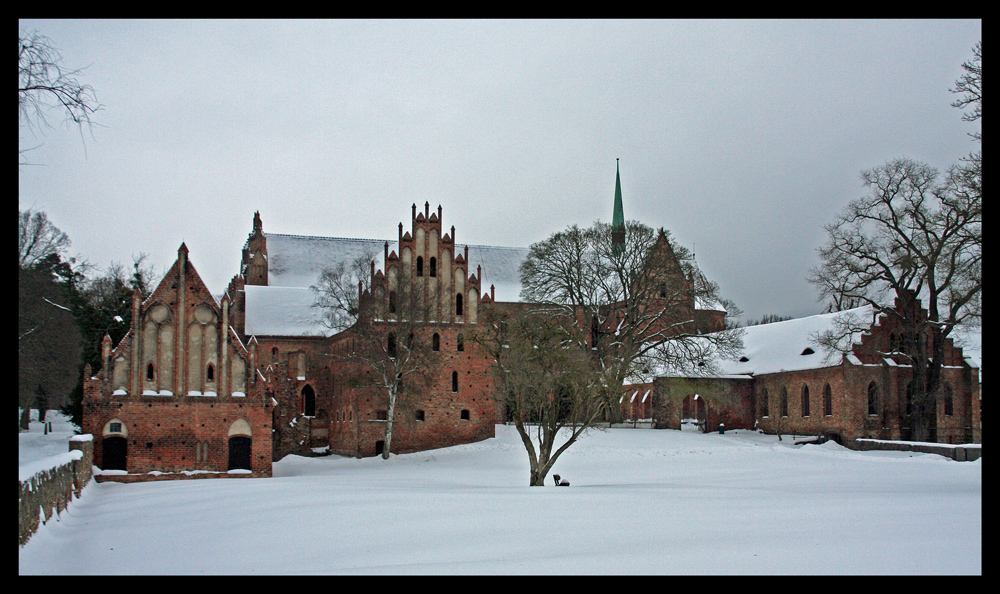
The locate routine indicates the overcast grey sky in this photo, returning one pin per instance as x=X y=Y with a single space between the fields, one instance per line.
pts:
x=743 y=138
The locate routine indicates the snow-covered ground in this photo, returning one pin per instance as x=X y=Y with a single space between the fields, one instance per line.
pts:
x=641 y=502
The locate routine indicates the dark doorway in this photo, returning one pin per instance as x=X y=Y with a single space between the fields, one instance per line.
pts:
x=115 y=453
x=379 y=447
x=239 y=453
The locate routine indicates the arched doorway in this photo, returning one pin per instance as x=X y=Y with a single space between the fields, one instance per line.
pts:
x=114 y=445
x=694 y=411
x=114 y=453
x=240 y=446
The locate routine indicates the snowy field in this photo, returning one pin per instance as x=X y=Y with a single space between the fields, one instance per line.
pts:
x=641 y=502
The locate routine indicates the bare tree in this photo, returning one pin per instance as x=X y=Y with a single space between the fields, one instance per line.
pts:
x=381 y=328
x=44 y=84
x=909 y=239
x=635 y=301
x=912 y=238
x=970 y=86
x=544 y=378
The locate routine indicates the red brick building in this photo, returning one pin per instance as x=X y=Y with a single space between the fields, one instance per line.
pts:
x=180 y=393
x=785 y=382
x=200 y=387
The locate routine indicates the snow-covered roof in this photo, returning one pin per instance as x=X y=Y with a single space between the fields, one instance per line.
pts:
x=788 y=345
x=283 y=311
x=501 y=268
x=298 y=260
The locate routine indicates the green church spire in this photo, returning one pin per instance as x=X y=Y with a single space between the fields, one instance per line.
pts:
x=618 y=217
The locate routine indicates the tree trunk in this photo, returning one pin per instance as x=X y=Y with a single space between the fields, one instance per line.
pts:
x=390 y=418
x=25 y=418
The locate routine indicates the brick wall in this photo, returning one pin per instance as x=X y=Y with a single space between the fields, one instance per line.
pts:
x=50 y=491
x=173 y=434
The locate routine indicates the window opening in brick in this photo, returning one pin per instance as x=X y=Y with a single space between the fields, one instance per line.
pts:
x=784 y=402
x=436 y=342
x=420 y=415
x=458 y=305
x=150 y=372
x=210 y=373
x=382 y=415
x=763 y=402
x=949 y=401
x=465 y=414
x=390 y=345
x=454 y=381
x=873 y=398
x=308 y=401
x=827 y=401
x=434 y=266
x=461 y=343
x=420 y=265
x=805 y=401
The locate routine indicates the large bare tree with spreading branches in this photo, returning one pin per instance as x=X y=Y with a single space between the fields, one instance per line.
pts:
x=634 y=302
x=914 y=236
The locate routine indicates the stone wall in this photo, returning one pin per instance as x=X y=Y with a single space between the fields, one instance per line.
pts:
x=50 y=490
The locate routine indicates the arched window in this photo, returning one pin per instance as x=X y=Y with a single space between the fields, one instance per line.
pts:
x=392 y=302
x=454 y=381
x=390 y=345
x=458 y=305
x=420 y=265
x=784 y=401
x=949 y=400
x=274 y=355
x=210 y=373
x=805 y=401
x=873 y=398
x=764 y=408
x=827 y=401
x=461 y=342
x=150 y=372
x=308 y=401
x=436 y=342
x=434 y=266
